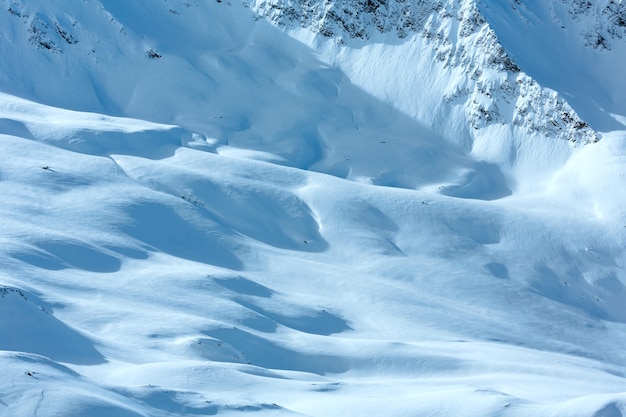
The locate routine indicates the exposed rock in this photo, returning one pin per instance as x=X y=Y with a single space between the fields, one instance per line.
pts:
x=462 y=39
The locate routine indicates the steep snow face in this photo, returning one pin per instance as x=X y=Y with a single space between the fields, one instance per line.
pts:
x=450 y=47
x=474 y=64
x=442 y=63
x=572 y=47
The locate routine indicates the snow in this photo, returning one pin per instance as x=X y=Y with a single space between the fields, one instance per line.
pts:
x=264 y=221
x=561 y=34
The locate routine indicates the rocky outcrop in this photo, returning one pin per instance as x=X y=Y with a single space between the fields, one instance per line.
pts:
x=604 y=21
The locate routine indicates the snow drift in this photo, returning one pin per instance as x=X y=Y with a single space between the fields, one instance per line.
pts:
x=312 y=208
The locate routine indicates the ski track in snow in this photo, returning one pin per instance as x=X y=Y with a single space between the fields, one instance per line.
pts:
x=204 y=214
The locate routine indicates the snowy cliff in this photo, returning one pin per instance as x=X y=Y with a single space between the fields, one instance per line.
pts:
x=478 y=72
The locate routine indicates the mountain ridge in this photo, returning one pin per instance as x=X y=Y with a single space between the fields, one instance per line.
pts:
x=449 y=26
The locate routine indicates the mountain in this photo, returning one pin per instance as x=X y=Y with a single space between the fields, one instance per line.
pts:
x=545 y=39
x=319 y=208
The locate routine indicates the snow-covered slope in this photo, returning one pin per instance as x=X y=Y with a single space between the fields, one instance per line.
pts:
x=578 y=49
x=311 y=208
x=443 y=64
x=546 y=39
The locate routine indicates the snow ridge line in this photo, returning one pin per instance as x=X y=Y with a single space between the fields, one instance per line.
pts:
x=462 y=39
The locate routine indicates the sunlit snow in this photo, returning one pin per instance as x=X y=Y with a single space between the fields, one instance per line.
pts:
x=205 y=212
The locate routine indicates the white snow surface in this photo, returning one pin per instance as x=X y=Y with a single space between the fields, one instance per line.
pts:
x=205 y=212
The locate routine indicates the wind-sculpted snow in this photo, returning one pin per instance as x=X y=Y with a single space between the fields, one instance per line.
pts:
x=206 y=212
x=28 y=327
